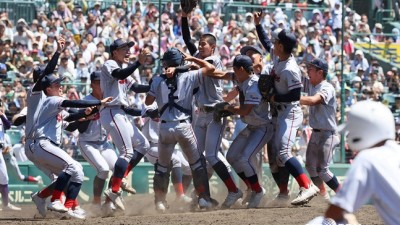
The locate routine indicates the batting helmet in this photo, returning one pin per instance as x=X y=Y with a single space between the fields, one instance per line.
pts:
x=368 y=123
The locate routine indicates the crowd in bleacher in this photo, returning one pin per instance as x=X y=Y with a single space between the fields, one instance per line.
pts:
x=89 y=30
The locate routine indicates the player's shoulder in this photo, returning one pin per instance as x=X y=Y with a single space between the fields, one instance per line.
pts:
x=89 y=97
x=111 y=63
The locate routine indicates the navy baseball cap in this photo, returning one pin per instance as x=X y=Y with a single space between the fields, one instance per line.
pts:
x=50 y=79
x=247 y=48
x=320 y=64
x=172 y=57
x=119 y=43
x=243 y=61
x=287 y=38
x=38 y=71
x=95 y=75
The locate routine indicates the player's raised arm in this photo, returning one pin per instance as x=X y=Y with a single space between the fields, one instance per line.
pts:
x=186 y=35
x=206 y=68
x=262 y=35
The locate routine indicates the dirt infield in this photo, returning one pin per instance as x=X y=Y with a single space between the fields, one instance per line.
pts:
x=141 y=211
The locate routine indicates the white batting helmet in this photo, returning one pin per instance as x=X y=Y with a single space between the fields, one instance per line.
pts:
x=368 y=123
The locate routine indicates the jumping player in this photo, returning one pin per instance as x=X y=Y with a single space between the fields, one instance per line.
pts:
x=322 y=101
x=288 y=86
x=47 y=140
x=209 y=132
x=174 y=96
x=115 y=82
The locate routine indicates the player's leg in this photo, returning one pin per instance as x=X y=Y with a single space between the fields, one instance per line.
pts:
x=188 y=143
x=121 y=131
x=69 y=171
x=290 y=120
x=166 y=145
x=328 y=143
x=91 y=154
x=186 y=171
x=257 y=138
x=312 y=157
x=12 y=165
x=177 y=177
x=4 y=186
x=212 y=146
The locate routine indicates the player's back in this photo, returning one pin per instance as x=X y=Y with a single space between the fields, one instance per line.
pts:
x=94 y=131
x=34 y=104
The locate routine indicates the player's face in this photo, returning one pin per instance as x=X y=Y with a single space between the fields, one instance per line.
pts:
x=121 y=54
x=315 y=75
x=257 y=61
x=278 y=48
x=205 y=49
x=55 y=90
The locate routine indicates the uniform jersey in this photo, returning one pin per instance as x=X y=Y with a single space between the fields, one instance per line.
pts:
x=287 y=75
x=210 y=90
x=94 y=131
x=112 y=87
x=373 y=176
x=186 y=82
x=252 y=96
x=50 y=120
x=34 y=103
x=322 y=116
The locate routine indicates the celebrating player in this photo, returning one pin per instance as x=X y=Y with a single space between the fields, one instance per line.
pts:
x=322 y=101
x=115 y=82
x=209 y=132
x=174 y=96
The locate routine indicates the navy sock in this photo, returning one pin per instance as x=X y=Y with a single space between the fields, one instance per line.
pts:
x=73 y=190
x=120 y=168
x=176 y=175
x=221 y=170
x=294 y=167
x=137 y=156
x=333 y=183
x=62 y=181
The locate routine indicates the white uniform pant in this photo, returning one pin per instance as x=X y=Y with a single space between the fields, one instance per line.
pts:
x=100 y=155
x=29 y=149
x=3 y=171
x=242 y=152
x=57 y=160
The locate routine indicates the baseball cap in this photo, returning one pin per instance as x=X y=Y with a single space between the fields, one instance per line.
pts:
x=378 y=25
x=95 y=75
x=247 y=48
x=243 y=61
x=119 y=43
x=50 y=79
x=320 y=64
x=172 y=57
x=286 y=38
x=274 y=35
x=297 y=10
x=38 y=71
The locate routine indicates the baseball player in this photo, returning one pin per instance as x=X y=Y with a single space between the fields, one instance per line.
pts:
x=209 y=132
x=289 y=116
x=93 y=144
x=115 y=82
x=255 y=113
x=372 y=177
x=322 y=101
x=180 y=166
x=47 y=136
x=280 y=174
x=35 y=98
x=174 y=97
x=6 y=205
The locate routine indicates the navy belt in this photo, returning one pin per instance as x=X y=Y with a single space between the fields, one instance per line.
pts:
x=317 y=130
x=180 y=121
x=206 y=109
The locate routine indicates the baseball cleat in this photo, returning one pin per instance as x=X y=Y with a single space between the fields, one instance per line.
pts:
x=305 y=195
x=11 y=207
x=115 y=198
x=76 y=214
x=184 y=199
x=79 y=210
x=247 y=196
x=256 y=198
x=40 y=203
x=39 y=179
x=126 y=187
x=57 y=206
x=160 y=207
x=231 y=199
x=108 y=208
x=280 y=201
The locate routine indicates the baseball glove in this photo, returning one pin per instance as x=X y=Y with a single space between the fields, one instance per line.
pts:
x=188 y=5
x=152 y=113
x=220 y=111
x=266 y=86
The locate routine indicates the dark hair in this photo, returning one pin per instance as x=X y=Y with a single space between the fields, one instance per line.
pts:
x=209 y=38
